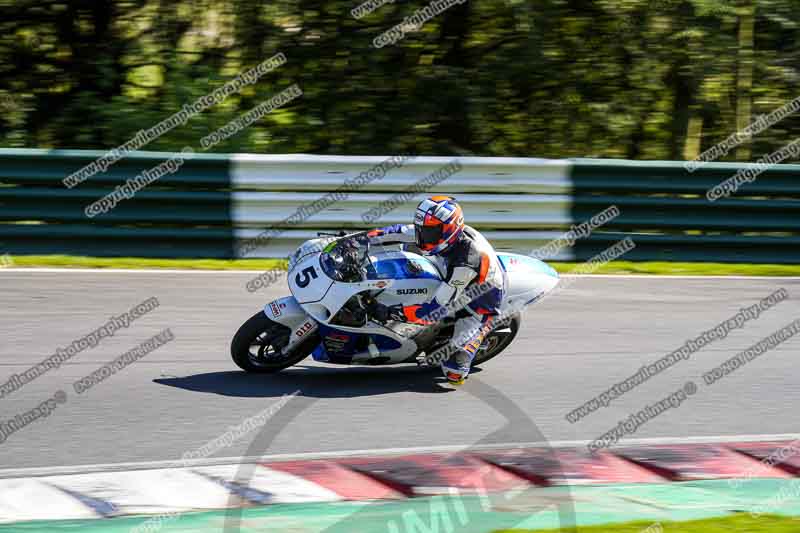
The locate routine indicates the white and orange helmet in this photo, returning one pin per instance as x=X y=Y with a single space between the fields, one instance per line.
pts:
x=438 y=223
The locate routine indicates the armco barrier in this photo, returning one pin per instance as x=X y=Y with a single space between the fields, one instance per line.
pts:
x=216 y=203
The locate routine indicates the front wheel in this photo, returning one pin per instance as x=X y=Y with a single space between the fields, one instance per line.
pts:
x=498 y=339
x=256 y=346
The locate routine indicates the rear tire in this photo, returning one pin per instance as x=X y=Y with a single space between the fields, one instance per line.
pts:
x=498 y=340
x=252 y=348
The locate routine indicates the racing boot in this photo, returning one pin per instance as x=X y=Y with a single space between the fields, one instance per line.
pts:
x=456 y=368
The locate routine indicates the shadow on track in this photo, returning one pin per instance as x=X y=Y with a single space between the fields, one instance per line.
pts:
x=316 y=382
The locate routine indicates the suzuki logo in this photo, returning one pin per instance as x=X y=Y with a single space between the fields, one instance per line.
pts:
x=412 y=291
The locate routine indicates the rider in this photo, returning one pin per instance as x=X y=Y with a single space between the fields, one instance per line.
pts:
x=467 y=259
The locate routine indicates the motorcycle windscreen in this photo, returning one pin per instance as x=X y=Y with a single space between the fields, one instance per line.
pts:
x=402 y=268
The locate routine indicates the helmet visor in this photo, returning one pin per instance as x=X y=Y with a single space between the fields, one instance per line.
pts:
x=428 y=236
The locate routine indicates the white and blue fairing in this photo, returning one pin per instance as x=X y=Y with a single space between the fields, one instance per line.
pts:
x=402 y=278
x=396 y=278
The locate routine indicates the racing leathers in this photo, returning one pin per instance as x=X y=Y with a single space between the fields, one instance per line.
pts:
x=469 y=265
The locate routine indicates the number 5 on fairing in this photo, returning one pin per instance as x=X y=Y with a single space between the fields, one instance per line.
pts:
x=307 y=275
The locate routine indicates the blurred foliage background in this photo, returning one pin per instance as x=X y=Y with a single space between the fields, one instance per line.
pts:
x=639 y=79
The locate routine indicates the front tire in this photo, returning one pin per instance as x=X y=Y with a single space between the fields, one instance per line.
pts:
x=253 y=346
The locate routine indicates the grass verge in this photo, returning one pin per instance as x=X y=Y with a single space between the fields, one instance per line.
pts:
x=67 y=261
x=739 y=523
x=664 y=268
x=615 y=267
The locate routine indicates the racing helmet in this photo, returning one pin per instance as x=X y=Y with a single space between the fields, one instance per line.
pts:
x=438 y=223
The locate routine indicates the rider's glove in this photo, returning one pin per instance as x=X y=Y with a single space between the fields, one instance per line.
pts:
x=386 y=230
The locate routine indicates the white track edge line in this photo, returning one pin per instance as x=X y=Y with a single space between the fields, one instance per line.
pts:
x=148 y=465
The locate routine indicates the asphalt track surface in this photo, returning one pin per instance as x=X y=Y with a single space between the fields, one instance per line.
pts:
x=572 y=346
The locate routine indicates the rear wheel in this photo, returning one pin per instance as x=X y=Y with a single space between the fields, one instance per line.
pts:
x=256 y=346
x=498 y=339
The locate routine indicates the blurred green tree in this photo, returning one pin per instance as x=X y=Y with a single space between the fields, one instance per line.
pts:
x=646 y=79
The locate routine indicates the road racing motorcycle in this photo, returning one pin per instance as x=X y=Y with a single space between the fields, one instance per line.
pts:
x=334 y=278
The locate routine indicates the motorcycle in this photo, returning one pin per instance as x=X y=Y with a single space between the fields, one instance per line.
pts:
x=333 y=280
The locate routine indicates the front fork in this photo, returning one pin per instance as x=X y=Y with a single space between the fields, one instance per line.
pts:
x=287 y=312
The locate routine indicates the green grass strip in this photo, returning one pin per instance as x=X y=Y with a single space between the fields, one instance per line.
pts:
x=742 y=523
x=67 y=261
x=664 y=268
x=615 y=267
